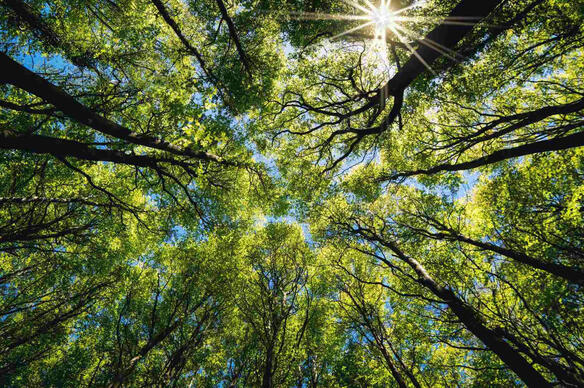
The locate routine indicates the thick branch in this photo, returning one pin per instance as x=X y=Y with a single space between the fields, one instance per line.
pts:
x=446 y=36
x=521 y=120
x=467 y=316
x=61 y=201
x=562 y=143
x=172 y=24
x=571 y=274
x=69 y=148
x=15 y=74
x=234 y=36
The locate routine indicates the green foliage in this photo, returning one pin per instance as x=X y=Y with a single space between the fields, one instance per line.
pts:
x=234 y=193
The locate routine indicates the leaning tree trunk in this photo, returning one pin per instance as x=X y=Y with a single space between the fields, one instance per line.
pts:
x=472 y=321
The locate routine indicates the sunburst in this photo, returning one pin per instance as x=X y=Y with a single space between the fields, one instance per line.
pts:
x=383 y=19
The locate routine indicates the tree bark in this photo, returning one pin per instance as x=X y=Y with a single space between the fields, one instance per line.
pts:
x=234 y=36
x=15 y=74
x=268 y=375
x=192 y=50
x=390 y=364
x=469 y=318
x=444 y=35
x=571 y=274
x=40 y=144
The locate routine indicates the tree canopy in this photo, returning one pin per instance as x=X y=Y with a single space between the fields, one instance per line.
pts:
x=295 y=193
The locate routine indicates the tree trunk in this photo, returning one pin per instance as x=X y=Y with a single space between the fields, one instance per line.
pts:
x=267 y=379
x=389 y=362
x=15 y=74
x=471 y=320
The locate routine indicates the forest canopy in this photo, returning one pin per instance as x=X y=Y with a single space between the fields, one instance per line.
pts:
x=295 y=193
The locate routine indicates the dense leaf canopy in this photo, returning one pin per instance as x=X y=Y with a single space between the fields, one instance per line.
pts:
x=294 y=193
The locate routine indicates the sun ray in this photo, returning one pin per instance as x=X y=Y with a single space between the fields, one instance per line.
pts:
x=402 y=10
x=352 y=30
x=450 y=54
x=357 y=6
x=411 y=49
x=383 y=19
x=326 y=16
x=451 y=21
x=370 y=5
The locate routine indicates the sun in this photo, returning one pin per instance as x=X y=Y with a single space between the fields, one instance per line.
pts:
x=382 y=18
x=379 y=16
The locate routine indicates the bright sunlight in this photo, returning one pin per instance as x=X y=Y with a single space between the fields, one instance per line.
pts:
x=381 y=19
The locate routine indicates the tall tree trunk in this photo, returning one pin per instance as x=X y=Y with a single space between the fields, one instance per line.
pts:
x=469 y=318
x=445 y=35
x=268 y=376
x=122 y=375
x=571 y=274
x=390 y=364
x=404 y=367
x=62 y=148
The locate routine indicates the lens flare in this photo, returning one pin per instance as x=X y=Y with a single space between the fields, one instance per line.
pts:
x=384 y=18
x=379 y=20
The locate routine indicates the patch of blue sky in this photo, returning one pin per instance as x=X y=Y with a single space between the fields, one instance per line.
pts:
x=34 y=60
x=178 y=233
